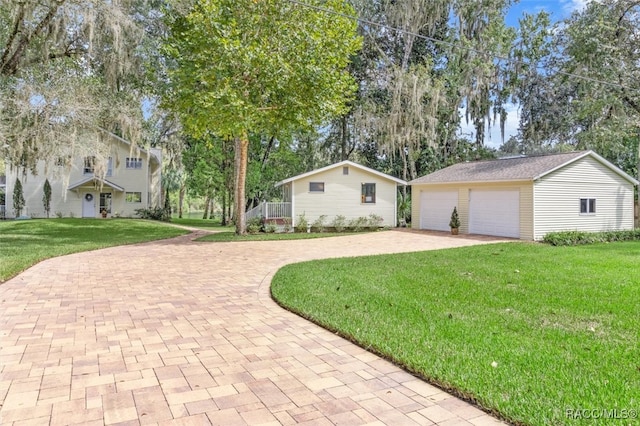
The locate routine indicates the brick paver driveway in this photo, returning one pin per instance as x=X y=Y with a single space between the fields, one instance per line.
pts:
x=180 y=332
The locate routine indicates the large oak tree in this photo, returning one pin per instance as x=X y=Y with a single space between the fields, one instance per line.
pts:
x=257 y=66
x=70 y=71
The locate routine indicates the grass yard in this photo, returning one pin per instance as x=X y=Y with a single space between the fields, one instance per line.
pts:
x=24 y=243
x=528 y=331
x=231 y=236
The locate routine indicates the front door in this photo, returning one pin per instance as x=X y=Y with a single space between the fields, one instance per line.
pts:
x=88 y=205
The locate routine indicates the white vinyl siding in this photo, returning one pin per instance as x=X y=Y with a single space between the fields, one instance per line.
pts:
x=70 y=202
x=342 y=196
x=557 y=199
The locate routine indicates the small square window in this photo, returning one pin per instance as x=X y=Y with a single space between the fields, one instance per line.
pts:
x=316 y=186
x=587 y=205
x=345 y=170
x=368 y=195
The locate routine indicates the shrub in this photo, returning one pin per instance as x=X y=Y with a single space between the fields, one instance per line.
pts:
x=302 y=224
x=154 y=213
x=374 y=220
x=455 y=220
x=287 y=225
x=339 y=223
x=59 y=215
x=318 y=224
x=255 y=225
x=357 y=224
x=18 y=198
x=573 y=238
x=270 y=228
x=46 y=197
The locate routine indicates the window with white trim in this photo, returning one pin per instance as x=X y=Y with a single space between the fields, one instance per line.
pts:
x=587 y=205
x=316 y=186
x=133 y=197
x=89 y=165
x=133 y=163
x=105 y=202
x=368 y=195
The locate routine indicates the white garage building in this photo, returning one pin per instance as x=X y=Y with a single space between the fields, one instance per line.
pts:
x=526 y=197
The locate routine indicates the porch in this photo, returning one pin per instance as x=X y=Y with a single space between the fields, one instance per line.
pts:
x=275 y=213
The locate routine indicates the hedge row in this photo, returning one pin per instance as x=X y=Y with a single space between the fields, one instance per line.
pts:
x=574 y=238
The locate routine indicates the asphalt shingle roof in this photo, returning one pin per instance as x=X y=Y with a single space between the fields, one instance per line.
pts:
x=506 y=169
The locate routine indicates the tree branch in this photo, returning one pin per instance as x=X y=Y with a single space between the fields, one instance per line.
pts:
x=10 y=67
x=12 y=37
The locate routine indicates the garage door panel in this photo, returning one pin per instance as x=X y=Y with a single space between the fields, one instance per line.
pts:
x=495 y=212
x=436 y=208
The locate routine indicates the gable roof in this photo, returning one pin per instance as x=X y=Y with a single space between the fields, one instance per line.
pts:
x=97 y=182
x=340 y=164
x=153 y=153
x=513 y=169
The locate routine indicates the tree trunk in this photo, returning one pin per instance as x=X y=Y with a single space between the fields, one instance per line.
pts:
x=636 y=222
x=412 y=164
x=183 y=189
x=345 y=137
x=229 y=210
x=212 y=206
x=206 y=207
x=223 y=220
x=241 y=155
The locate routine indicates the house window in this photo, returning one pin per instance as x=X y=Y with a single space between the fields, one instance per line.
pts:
x=110 y=167
x=368 y=193
x=133 y=163
x=89 y=165
x=587 y=205
x=63 y=161
x=316 y=186
x=105 y=202
x=133 y=197
x=345 y=170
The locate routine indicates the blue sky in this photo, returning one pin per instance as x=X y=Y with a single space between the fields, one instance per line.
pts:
x=559 y=9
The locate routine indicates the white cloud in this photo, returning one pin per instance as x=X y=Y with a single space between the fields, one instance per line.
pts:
x=570 y=6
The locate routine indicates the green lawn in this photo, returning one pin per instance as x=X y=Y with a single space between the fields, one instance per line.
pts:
x=528 y=331
x=24 y=243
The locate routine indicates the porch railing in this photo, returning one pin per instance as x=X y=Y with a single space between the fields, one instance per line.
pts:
x=269 y=211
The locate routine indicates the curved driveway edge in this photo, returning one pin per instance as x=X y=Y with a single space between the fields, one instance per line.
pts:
x=181 y=332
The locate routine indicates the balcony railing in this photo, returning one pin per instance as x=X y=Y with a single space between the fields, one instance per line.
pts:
x=270 y=211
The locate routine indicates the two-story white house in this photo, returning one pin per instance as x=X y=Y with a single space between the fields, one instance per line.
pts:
x=119 y=183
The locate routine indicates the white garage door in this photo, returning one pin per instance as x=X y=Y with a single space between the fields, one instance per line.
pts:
x=436 y=208
x=494 y=212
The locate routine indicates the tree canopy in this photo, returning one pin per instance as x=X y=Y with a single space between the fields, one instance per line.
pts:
x=267 y=67
x=70 y=71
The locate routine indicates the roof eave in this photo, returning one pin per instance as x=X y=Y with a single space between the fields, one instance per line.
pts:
x=336 y=165
x=598 y=158
x=78 y=184
x=471 y=182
